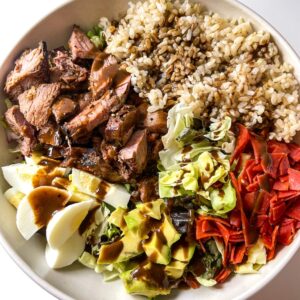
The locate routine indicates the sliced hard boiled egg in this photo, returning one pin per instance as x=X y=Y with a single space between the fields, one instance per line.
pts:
x=20 y=176
x=65 y=222
x=26 y=220
x=117 y=196
x=14 y=197
x=36 y=209
x=85 y=183
x=114 y=194
x=69 y=252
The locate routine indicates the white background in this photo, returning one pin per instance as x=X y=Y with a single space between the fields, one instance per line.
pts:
x=17 y=16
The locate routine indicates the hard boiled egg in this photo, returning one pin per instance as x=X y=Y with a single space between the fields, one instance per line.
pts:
x=117 y=196
x=36 y=209
x=114 y=194
x=14 y=197
x=65 y=222
x=20 y=176
x=69 y=252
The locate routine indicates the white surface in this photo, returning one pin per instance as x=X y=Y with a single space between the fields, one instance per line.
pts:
x=283 y=15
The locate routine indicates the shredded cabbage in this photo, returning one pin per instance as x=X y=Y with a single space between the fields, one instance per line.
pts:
x=257 y=257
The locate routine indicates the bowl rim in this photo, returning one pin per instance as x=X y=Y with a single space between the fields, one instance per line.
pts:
x=51 y=289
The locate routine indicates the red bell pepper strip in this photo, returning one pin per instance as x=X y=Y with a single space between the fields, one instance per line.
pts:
x=294 y=179
x=294 y=211
x=245 y=223
x=242 y=141
x=286 y=232
x=223 y=275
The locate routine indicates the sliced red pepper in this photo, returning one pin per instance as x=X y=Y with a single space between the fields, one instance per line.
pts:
x=281 y=186
x=223 y=275
x=260 y=220
x=236 y=236
x=271 y=252
x=264 y=182
x=294 y=211
x=288 y=195
x=191 y=281
x=276 y=159
x=242 y=141
x=277 y=212
x=284 y=166
x=294 y=179
x=277 y=147
x=295 y=152
x=249 y=201
x=284 y=178
x=286 y=232
x=252 y=187
x=235 y=219
x=238 y=254
x=245 y=223
x=261 y=153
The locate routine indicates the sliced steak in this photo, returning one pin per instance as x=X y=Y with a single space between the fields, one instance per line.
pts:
x=103 y=71
x=156 y=122
x=89 y=160
x=122 y=83
x=134 y=155
x=148 y=189
x=50 y=134
x=120 y=126
x=36 y=103
x=84 y=100
x=81 y=46
x=92 y=116
x=109 y=152
x=63 y=108
x=65 y=71
x=24 y=131
x=31 y=69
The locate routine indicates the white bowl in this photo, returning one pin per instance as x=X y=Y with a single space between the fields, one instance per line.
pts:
x=78 y=282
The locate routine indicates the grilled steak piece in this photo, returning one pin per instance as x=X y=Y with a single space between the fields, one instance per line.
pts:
x=31 y=69
x=63 y=108
x=133 y=156
x=36 y=103
x=84 y=100
x=120 y=126
x=103 y=71
x=148 y=189
x=81 y=46
x=89 y=160
x=50 y=134
x=23 y=130
x=122 y=83
x=108 y=151
x=93 y=115
x=156 y=122
x=63 y=70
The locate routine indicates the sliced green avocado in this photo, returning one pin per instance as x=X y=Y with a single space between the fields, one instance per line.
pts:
x=183 y=251
x=146 y=280
x=136 y=222
x=127 y=247
x=157 y=249
x=152 y=209
x=175 y=269
x=117 y=218
x=169 y=231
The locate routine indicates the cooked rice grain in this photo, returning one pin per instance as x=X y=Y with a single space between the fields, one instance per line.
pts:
x=178 y=51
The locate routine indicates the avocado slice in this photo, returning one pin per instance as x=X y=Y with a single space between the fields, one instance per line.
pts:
x=117 y=218
x=147 y=280
x=169 y=231
x=183 y=251
x=136 y=222
x=175 y=269
x=152 y=209
x=127 y=247
x=157 y=249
